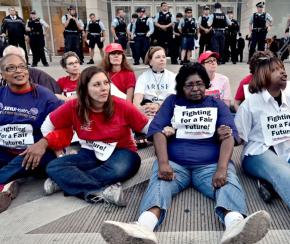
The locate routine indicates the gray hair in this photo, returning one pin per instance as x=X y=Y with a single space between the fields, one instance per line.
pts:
x=14 y=50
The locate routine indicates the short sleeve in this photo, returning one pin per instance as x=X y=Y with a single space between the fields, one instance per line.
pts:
x=134 y=117
x=63 y=19
x=102 y=26
x=114 y=23
x=227 y=90
x=140 y=84
x=62 y=117
x=163 y=117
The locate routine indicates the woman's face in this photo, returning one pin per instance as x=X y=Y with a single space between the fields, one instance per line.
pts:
x=158 y=61
x=278 y=78
x=210 y=64
x=72 y=65
x=99 y=88
x=194 y=88
x=116 y=58
x=16 y=72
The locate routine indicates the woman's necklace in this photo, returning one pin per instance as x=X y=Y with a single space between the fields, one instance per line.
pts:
x=157 y=82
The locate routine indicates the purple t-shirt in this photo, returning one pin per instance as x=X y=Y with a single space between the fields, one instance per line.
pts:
x=192 y=151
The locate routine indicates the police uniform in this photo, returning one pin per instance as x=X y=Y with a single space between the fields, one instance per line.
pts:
x=120 y=30
x=36 y=40
x=164 y=37
x=132 y=42
x=15 y=26
x=142 y=29
x=218 y=21
x=188 y=27
x=205 y=38
x=176 y=42
x=72 y=35
x=259 y=29
x=95 y=31
x=231 y=40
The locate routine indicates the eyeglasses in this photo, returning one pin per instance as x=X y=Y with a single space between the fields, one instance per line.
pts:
x=190 y=85
x=210 y=61
x=14 y=68
x=73 y=63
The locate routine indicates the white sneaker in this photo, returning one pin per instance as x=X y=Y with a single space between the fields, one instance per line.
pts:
x=50 y=187
x=122 y=233
x=112 y=194
x=249 y=230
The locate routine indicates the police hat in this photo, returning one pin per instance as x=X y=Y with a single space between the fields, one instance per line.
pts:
x=230 y=11
x=188 y=9
x=140 y=9
x=206 y=7
x=260 y=4
x=71 y=7
x=33 y=12
x=217 y=5
x=179 y=15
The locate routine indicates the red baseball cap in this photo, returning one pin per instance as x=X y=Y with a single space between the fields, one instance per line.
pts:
x=113 y=47
x=205 y=55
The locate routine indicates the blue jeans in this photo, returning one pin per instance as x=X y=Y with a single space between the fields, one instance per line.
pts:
x=82 y=174
x=142 y=44
x=270 y=167
x=218 y=43
x=159 y=193
x=11 y=166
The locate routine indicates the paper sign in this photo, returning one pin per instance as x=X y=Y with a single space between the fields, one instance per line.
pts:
x=16 y=136
x=276 y=128
x=194 y=123
x=102 y=150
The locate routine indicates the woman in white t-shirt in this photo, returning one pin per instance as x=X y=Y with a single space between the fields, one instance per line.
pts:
x=154 y=84
x=263 y=122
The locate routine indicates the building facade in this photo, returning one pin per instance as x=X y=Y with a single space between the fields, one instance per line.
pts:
x=52 y=11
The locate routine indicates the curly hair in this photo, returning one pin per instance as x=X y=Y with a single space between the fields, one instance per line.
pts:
x=187 y=70
x=65 y=56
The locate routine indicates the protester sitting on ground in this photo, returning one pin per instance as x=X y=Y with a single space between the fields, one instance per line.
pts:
x=154 y=84
x=70 y=62
x=23 y=107
x=263 y=124
x=120 y=72
x=108 y=152
x=255 y=59
x=219 y=84
x=206 y=165
x=37 y=76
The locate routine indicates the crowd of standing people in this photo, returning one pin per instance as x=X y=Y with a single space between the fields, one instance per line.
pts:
x=188 y=116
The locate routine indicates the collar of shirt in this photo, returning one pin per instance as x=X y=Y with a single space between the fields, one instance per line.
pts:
x=268 y=98
x=13 y=17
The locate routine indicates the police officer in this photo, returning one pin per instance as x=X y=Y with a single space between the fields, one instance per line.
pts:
x=231 y=38
x=142 y=31
x=119 y=28
x=130 y=34
x=95 y=35
x=259 y=26
x=188 y=26
x=15 y=28
x=73 y=27
x=176 y=42
x=204 y=30
x=218 y=21
x=36 y=29
x=164 y=28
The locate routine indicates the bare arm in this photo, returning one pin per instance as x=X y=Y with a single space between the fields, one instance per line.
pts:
x=130 y=94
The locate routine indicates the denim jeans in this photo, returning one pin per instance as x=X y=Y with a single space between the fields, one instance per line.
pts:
x=82 y=174
x=270 y=167
x=218 y=43
x=159 y=193
x=11 y=166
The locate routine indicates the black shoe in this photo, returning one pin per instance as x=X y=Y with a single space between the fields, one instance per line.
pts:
x=91 y=62
x=264 y=191
x=46 y=65
x=136 y=63
x=82 y=62
x=34 y=65
x=234 y=62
